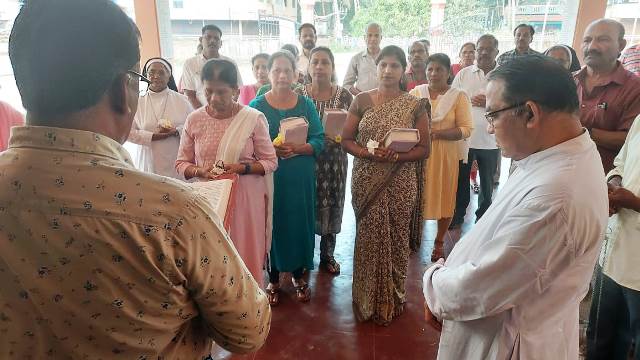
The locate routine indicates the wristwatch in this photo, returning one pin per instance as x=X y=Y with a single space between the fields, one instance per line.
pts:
x=247 y=169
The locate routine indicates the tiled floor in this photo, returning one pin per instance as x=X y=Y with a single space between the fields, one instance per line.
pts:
x=325 y=328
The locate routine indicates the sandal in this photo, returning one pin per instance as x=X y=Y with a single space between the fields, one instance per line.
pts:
x=273 y=294
x=331 y=265
x=303 y=292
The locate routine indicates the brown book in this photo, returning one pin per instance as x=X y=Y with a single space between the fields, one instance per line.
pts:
x=333 y=122
x=401 y=140
x=294 y=130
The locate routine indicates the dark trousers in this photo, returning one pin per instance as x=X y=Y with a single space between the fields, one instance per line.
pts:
x=618 y=322
x=487 y=163
x=274 y=274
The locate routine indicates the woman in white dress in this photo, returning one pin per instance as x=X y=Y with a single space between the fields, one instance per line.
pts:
x=158 y=122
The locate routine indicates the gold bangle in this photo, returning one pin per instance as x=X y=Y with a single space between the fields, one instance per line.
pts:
x=395 y=158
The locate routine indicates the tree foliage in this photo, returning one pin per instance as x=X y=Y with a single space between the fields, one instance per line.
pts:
x=412 y=17
x=397 y=17
x=472 y=16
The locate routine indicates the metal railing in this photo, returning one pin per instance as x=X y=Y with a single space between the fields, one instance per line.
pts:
x=539 y=9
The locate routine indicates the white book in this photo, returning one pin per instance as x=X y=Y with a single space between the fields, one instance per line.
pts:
x=401 y=140
x=217 y=193
x=333 y=122
x=294 y=130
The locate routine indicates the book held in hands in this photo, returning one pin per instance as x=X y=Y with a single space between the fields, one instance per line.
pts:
x=294 y=130
x=401 y=140
x=219 y=194
x=333 y=122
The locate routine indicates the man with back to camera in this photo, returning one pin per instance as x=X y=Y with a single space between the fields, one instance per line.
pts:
x=98 y=259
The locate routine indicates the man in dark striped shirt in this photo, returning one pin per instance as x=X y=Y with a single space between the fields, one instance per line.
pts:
x=523 y=36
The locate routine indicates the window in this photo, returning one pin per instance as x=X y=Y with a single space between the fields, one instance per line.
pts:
x=628 y=13
x=178 y=4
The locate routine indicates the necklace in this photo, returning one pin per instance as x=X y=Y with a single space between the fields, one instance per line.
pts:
x=153 y=110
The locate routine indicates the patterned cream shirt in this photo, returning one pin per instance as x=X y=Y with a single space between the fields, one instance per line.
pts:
x=101 y=261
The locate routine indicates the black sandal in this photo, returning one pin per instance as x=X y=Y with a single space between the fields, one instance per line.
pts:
x=331 y=265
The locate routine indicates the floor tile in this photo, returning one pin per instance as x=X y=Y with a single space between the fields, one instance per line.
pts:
x=325 y=328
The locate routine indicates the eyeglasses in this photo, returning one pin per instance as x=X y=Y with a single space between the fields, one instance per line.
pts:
x=143 y=86
x=491 y=115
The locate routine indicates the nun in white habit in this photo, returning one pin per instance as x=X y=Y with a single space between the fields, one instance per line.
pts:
x=158 y=122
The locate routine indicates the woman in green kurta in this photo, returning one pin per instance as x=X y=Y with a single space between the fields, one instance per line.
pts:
x=294 y=192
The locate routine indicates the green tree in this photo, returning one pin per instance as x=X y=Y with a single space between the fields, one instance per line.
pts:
x=472 y=16
x=397 y=17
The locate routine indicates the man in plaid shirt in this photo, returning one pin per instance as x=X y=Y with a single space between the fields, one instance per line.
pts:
x=523 y=36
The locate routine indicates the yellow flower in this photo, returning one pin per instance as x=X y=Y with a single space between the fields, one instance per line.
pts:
x=338 y=139
x=166 y=123
x=278 y=140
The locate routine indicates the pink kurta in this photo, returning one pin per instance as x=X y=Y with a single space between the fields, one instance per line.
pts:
x=199 y=146
x=9 y=117
x=247 y=93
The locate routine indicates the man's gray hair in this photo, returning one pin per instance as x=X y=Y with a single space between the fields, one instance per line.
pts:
x=413 y=43
x=373 y=24
x=616 y=23
x=488 y=37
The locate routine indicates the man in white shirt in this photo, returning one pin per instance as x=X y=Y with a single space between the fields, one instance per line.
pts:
x=614 y=321
x=211 y=41
x=362 y=74
x=307 y=37
x=482 y=144
x=511 y=287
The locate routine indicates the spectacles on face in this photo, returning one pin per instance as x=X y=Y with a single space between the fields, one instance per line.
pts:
x=143 y=85
x=492 y=115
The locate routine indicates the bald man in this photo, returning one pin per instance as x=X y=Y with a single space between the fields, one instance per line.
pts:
x=361 y=75
x=609 y=95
